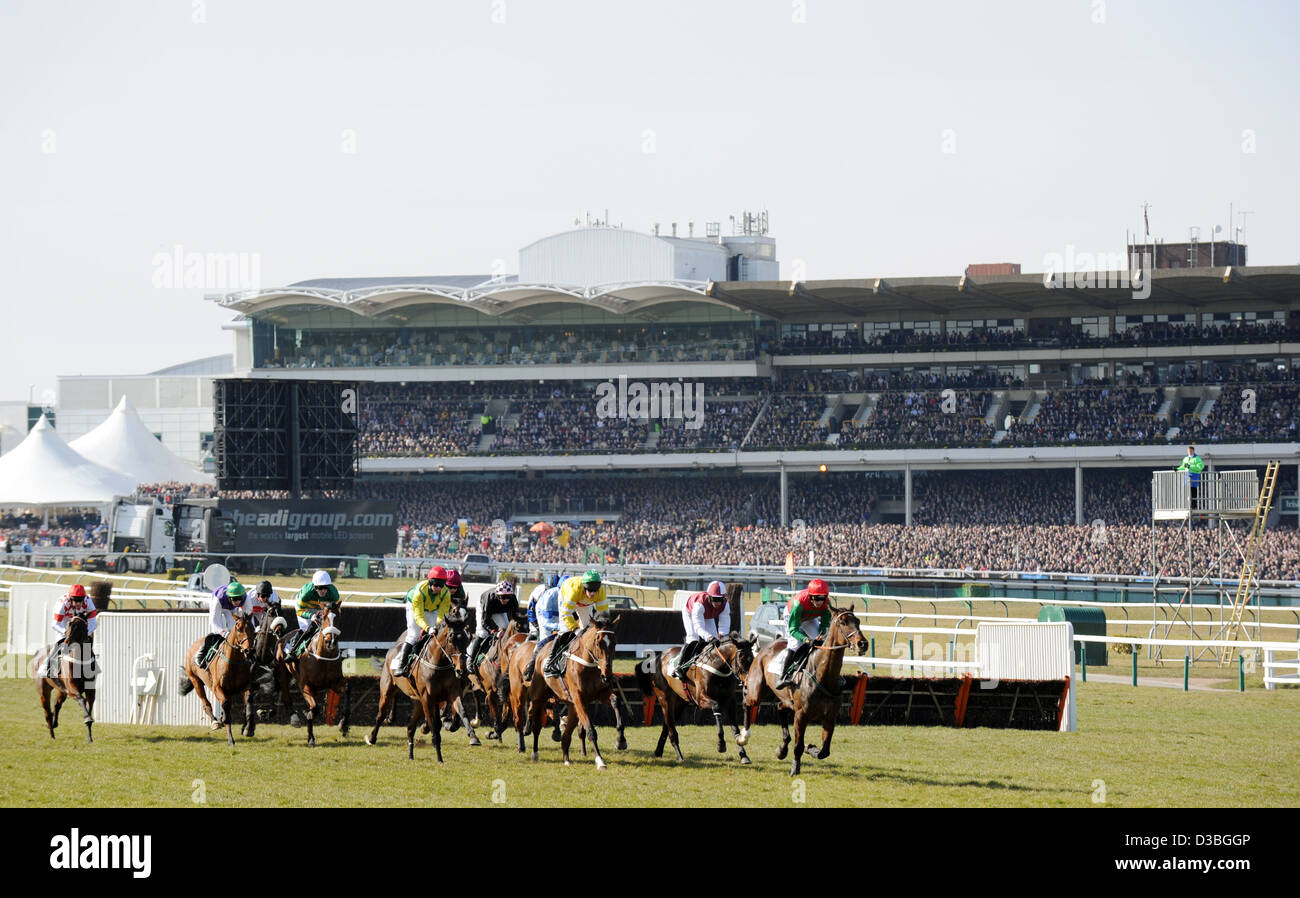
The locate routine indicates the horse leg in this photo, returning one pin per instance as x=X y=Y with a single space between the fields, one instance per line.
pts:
x=286 y=695
x=616 y=702
x=90 y=714
x=589 y=727
x=417 y=714
x=536 y=720
x=309 y=697
x=386 y=696
x=800 y=723
x=787 y=717
x=227 y=716
x=345 y=698
x=566 y=737
x=556 y=715
x=828 y=733
x=43 y=690
x=250 y=714
x=722 y=739
x=663 y=733
x=202 y=692
x=469 y=724
x=58 y=704
x=672 y=709
x=727 y=710
x=431 y=714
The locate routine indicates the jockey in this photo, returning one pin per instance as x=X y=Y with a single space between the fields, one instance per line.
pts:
x=73 y=603
x=228 y=603
x=425 y=602
x=267 y=599
x=457 y=590
x=312 y=597
x=551 y=581
x=706 y=616
x=544 y=615
x=581 y=599
x=494 y=612
x=808 y=617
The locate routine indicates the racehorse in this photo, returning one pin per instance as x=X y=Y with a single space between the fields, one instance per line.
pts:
x=268 y=654
x=492 y=675
x=528 y=700
x=815 y=697
x=75 y=677
x=711 y=683
x=437 y=676
x=588 y=677
x=229 y=673
x=320 y=671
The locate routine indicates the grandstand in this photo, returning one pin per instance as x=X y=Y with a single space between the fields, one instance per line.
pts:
x=469 y=379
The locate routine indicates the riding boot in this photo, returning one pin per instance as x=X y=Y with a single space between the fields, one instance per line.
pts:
x=684 y=659
x=471 y=654
x=792 y=663
x=401 y=661
x=554 y=664
x=532 y=663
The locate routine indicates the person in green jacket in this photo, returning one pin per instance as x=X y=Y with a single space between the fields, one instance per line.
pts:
x=1193 y=465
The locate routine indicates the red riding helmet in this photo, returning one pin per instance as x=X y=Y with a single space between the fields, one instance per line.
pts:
x=77 y=592
x=438 y=573
x=818 y=588
x=453 y=578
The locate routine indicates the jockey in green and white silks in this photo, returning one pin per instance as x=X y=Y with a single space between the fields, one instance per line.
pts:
x=809 y=616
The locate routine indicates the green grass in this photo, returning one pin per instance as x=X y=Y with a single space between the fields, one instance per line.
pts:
x=1150 y=747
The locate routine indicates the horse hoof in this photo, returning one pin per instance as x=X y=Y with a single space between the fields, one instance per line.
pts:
x=555 y=736
x=780 y=755
x=566 y=764
x=744 y=759
x=622 y=744
x=474 y=740
x=215 y=725
x=600 y=765
x=722 y=748
x=535 y=758
x=492 y=735
x=743 y=739
x=476 y=722
x=370 y=740
x=295 y=720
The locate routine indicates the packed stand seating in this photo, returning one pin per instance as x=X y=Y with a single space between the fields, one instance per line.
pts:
x=910 y=419
x=790 y=421
x=1271 y=416
x=1092 y=415
x=174 y=491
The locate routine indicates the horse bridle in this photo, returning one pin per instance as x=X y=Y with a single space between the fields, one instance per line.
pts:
x=325 y=630
x=449 y=652
x=716 y=648
x=588 y=662
x=246 y=652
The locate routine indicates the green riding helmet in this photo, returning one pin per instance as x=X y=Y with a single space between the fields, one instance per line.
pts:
x=235 y=590
x=591 y=578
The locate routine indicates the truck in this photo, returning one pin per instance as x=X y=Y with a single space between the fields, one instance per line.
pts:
x=147 y=536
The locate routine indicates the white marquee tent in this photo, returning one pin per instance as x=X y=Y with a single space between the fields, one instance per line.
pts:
x=44 y=471
x=124 y=443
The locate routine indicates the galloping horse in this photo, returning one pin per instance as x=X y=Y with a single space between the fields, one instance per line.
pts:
x=816 y=696
x=76 y=675
x=528 y=700
x=437 y=676
x=268 y=653
x=492 y=675
x=588 y=677
x=320 y=670
x=711 y=683
x=229 y=673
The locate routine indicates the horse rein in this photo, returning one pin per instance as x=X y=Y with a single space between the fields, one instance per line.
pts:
x=587 y=662
x=450 y=655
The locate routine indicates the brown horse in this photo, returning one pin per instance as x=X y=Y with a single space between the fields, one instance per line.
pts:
x=436 y=677
x=320 y=671
x=815 y=697
x=711 y=684
x=229 y=673
x=588 y=677
x=492 y=674
x=76 y=675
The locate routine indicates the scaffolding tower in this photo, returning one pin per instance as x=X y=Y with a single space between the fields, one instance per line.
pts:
x=1208 y=550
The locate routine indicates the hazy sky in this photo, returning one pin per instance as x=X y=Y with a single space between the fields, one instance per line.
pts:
x=403 y=138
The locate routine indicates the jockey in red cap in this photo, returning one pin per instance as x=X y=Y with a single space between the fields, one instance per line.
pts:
x=809 y=616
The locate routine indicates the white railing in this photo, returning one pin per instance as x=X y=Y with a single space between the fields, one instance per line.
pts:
x=1271 y=664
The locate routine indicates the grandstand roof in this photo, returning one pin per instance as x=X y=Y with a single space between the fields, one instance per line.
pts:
x=1006 y=296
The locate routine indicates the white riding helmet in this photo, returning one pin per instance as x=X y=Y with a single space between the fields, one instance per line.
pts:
x=320 y=578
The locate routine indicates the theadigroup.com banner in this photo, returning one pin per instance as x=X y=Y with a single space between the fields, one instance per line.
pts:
x=313 y=526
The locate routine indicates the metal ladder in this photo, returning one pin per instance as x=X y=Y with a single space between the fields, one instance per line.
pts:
x=1247 y=582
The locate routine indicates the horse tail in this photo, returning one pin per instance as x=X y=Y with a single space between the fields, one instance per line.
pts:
x=644 y=677
x=187 y=685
